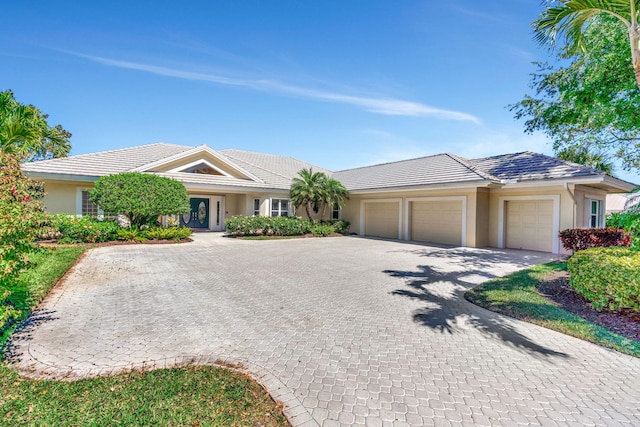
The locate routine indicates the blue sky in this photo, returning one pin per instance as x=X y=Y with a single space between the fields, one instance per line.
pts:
x=336 y=83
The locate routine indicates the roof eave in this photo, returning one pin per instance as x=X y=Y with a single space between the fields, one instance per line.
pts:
x=604 y=182
x=52 y=176
x=411 y=188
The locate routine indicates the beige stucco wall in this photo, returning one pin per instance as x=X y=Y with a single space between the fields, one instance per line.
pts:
x=583 y=193
x=352 y=210
x=61 y=196
x=566 y=208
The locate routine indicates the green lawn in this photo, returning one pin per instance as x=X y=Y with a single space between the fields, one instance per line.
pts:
x=192 y=396
x=515 y=295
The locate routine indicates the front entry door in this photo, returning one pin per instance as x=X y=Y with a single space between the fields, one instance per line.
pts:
x=198 y=217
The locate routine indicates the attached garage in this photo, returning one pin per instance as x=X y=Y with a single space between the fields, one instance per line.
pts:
x=382 y=219
x=530 y=225
x=438 y=221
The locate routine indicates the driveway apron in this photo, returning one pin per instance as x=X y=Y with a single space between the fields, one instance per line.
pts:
x=343 y=331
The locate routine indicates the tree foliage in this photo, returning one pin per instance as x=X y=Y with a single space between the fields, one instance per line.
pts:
x=316 y=191
x=24 y=131
x=141 y=197
x=588 y=157
x=588 y=100
x=569 y=20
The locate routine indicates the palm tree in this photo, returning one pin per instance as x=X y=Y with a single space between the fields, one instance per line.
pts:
x=336 y=195
x=24 y=131
x=308 y=190
x=568 y=18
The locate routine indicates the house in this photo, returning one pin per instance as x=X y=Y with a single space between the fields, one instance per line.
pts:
x=622 y=202
x=519 y=200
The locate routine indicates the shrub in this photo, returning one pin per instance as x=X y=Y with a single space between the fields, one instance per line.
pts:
x=577 y=239
x=21 y=216
x=340 y=226
x=165 y=233
x=628 y=221
x=85 y=229
x=241 y=225
x=141 y=197
x=607 y=277
x=322 y=230
x=130 y=234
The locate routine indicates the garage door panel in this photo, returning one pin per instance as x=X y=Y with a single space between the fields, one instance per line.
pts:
x=437 y=222
x=529 y=225
x=381 y=219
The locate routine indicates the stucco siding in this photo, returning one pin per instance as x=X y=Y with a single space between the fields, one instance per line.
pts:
x=61 y=197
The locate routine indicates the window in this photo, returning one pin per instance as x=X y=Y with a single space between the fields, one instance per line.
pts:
x=335 y=212
x=596 y=219
x=88 y=208
x=256 y=207
x=202 y=168
x=279 y=207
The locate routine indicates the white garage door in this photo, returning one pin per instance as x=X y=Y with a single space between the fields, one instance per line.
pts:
x=530 y=225
x=437 y=222
x=381 y=219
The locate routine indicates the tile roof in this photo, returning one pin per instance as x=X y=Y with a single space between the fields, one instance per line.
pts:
x=431 y=170
x=532 y=166
x=276 y=172
x=107 y=162
x=273 y=169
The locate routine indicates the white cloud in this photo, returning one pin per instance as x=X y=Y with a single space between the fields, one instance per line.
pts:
x=386 y=106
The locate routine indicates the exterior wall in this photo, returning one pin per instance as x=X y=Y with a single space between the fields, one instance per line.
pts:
x=497 y=196
x=352 y=211
x=482 y=217
x=582 y=194
x=61 y=197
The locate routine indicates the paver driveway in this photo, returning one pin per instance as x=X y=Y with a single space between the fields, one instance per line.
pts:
x=342 y=330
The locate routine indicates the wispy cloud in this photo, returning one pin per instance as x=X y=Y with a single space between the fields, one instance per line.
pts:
x=386 y=106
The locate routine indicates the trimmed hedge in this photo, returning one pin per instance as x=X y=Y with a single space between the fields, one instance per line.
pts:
x=577 y=239
x=241 y=225
x=609 y=278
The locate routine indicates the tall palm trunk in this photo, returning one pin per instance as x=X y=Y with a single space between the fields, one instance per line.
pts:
x=634 y=39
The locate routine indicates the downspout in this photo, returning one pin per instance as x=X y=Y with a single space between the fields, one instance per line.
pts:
x=575 y=203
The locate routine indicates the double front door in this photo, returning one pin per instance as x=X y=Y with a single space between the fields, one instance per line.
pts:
x=207 y=213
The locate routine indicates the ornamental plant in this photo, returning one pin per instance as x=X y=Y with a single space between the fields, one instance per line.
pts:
x=609 y=278
x=577 y=239
x=21 y=216
x=141 y=197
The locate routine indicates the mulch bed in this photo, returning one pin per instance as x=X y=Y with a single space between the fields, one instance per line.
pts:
x=556 y=288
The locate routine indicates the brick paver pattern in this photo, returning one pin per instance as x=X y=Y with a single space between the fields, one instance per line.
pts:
x=343 y=331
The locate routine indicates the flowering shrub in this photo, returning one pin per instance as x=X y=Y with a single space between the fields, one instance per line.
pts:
x=76 y=229
x=577 y=239
x=20 y=218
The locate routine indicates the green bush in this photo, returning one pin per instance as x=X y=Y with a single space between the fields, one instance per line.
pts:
x=141 y=197
x=322 y=230
x=267 y=226
x=607 y=277
x=82 y=229
x=628 y=221
x=165 y=233
x=130 y=234
x=340 y=226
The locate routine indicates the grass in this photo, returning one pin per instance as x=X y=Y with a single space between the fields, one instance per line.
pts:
x=515 y=295
x=48 y=265
x=192 y=396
